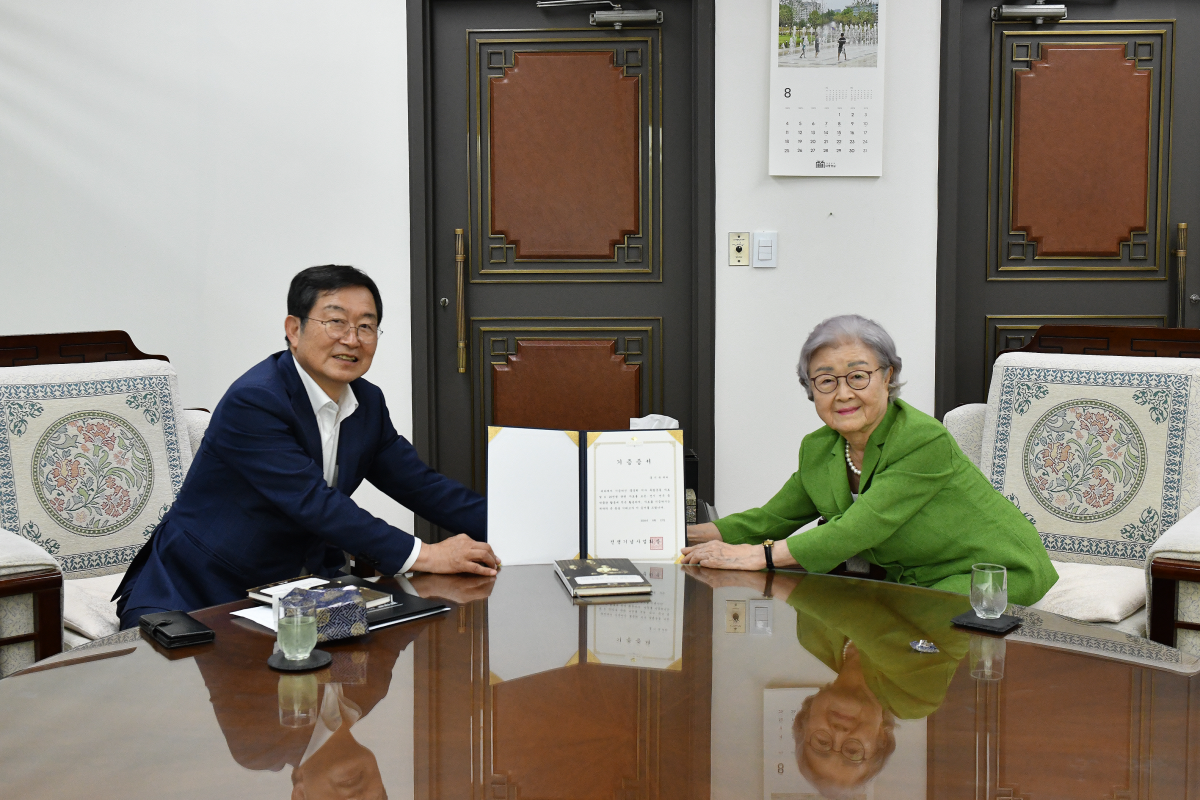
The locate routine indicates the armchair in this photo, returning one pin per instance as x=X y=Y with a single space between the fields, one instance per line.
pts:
x=94 y=446
x=1102 y=454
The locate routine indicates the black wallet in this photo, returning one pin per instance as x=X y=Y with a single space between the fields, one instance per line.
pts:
x=175 y=629
x=1001 y=625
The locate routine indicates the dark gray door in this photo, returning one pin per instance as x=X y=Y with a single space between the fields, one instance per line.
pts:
x=570 y=158
x=1068 y=160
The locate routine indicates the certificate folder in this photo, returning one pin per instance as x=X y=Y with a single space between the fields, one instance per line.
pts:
x=605 y=494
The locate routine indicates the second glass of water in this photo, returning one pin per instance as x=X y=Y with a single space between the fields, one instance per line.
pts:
x=297 y=622
x=989 y=590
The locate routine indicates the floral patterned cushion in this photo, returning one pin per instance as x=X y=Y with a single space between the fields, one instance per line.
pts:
x=91 y=457
x=1101 y=453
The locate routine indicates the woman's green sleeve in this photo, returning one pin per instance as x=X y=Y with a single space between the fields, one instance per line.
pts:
x=791 y=508
x=895 y=495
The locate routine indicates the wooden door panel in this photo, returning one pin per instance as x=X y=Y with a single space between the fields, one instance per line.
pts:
x=580 y=384
x=566 y=169
x=1068 y=160
x=1081 y=121
x=637 y=342
x=585 y=200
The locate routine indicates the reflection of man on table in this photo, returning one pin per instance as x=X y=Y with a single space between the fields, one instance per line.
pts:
x=268 y=495
x=862 y=630
x=246 y=698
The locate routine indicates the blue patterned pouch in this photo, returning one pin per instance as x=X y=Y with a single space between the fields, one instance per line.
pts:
x=341 y=613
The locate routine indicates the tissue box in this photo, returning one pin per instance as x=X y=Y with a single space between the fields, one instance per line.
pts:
x=341 y=612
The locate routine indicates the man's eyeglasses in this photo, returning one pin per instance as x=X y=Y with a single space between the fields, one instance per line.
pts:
x=859 y=379
x=337 y=328
x=852 y=749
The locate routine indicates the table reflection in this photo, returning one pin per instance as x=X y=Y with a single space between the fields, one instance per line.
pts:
x=334 y=764
x=272 y=720
x=813 y=690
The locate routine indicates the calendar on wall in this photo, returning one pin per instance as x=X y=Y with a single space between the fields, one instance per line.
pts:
x=827 y=88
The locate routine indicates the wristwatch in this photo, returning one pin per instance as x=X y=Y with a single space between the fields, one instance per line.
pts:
x=767 y=545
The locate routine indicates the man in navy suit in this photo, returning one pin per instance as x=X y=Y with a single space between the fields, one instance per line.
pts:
x=268 y=494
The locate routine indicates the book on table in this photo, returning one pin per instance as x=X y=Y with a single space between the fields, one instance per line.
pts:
x=269 y=591
x=589 y=577
x=605 y=494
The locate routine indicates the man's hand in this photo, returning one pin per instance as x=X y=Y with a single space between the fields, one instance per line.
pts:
x=457 y=554
x=704 y=532
x=461 y=589
x=718 y=555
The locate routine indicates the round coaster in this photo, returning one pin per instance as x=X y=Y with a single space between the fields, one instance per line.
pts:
x=316 y=659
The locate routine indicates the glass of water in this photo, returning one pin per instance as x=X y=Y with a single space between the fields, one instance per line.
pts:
x=987 y=658
x=297 y=623
x=297 y=700
x=989 y=590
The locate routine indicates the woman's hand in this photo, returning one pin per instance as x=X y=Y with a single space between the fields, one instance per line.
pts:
x=719 y=555
x=704 y=532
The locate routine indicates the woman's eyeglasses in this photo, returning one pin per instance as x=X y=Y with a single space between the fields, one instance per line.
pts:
x=852 y=749
x=859 y=379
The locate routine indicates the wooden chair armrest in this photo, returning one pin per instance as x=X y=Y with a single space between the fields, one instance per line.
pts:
x=1165 y=575
x=46 y=587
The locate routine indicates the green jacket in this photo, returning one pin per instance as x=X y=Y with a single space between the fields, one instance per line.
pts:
x=883 y=621
x=925 y=513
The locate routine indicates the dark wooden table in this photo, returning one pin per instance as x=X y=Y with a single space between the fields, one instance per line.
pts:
x=692 y=695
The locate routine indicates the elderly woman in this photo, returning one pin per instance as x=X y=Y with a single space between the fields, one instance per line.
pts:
x=890 y=481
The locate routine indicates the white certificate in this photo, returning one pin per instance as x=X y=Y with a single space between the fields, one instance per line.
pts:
x=635 y=494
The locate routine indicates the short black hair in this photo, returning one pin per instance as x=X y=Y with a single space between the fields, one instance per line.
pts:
x=309 y=284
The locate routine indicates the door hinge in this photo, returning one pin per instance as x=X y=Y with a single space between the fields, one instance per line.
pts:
x=616 y=16
x=1039 y=12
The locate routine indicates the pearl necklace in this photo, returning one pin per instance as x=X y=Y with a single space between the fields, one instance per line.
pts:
x=850 y=463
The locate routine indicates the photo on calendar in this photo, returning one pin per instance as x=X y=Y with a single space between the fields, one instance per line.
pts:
x=838 y=33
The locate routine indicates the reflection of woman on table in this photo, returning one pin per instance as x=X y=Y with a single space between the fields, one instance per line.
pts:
x=892 y=484
x=863 y=631
x=844 y=733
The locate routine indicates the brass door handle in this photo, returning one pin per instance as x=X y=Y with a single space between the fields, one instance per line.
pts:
x=460 y=258
x=1181 y=270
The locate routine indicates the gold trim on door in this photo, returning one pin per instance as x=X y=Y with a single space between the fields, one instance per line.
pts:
x=1058 y=268
x=649 y=67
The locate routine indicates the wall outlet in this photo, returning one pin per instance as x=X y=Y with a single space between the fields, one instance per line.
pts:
x=765 y=249
x=739 y=249
x=735 y=616
x=758 y=617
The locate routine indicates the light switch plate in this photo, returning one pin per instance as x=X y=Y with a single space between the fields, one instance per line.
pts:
x=739 y=249
x=765 y=249
x=735 y=616
x=758 y=617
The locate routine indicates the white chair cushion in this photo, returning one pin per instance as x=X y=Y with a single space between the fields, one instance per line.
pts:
x=87 y=607
x=196 y=421
x=965 y=424
x=1134 y=624
x=91 y=456
x=17 y=555
x=1102 y=453
x=1094 y=592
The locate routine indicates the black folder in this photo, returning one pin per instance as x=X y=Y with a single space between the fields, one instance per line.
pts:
x=406 y=608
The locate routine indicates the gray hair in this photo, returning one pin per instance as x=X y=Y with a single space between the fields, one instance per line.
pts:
x=847 y=329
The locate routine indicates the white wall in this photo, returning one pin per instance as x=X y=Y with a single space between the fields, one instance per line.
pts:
x=166 y=167
x=846 y=245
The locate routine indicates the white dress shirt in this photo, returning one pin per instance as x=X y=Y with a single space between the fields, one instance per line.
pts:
x=330 y=416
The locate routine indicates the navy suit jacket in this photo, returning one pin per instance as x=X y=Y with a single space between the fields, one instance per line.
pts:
x=255 y=508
